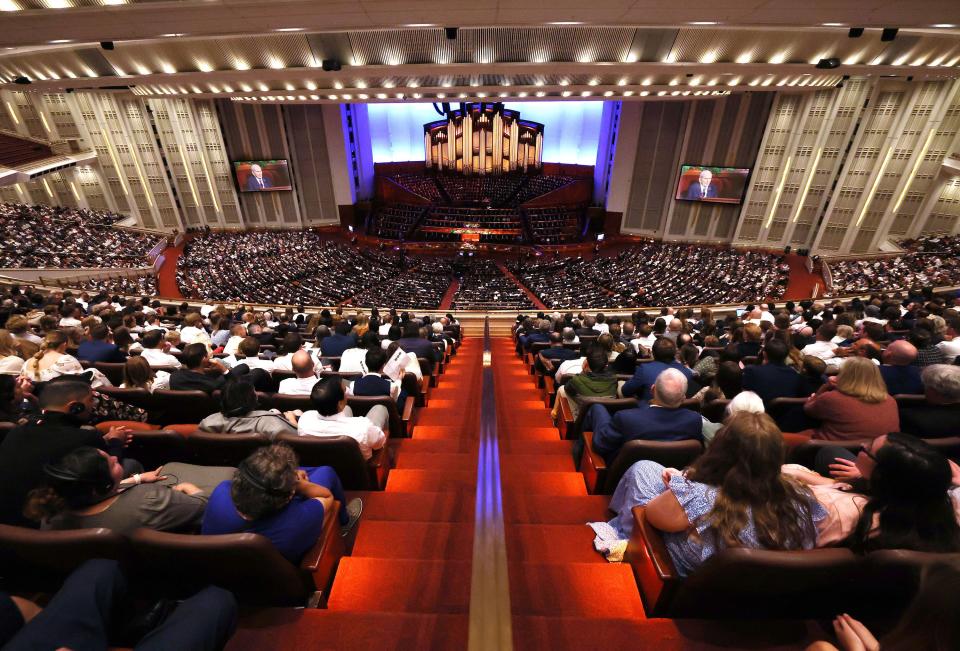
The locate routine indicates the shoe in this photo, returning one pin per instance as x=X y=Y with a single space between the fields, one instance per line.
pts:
x=354 y=509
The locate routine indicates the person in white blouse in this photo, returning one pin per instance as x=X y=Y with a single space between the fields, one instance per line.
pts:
x=332 y=417
x=352 y=359
x=306 y=376
x=249 y=348
x=153 y=350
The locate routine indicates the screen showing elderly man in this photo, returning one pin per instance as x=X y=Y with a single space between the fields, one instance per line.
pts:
x=702 y=188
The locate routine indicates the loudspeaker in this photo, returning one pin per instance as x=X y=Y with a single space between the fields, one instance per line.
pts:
x=828 y=64
x=330 y=65
x=106 y=45
x=855 y=32
x=888 y=33
x=451 y=32
x=22 y=80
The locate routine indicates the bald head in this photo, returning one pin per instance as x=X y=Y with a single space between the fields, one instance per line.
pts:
x=302 y=364
x=670 y=388
x=900 y=353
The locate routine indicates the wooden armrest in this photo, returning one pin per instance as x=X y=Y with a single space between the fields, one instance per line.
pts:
x=311 y=560
x=379 y=466
x=592 y=465
x=321 y=561
x=652 y=566
x=566 y=420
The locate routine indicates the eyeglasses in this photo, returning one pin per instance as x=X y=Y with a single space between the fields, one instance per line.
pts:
x=866 y=450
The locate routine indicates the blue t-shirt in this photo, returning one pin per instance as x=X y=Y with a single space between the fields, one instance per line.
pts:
x=293 y=531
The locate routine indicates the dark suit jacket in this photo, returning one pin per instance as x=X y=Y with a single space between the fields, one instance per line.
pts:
x=771 y=381
x=421 y=347
x=371 y=385
x=931 y=421
x=100 y=351
x=694 y=191
x=748 y=348
x=27 y=448
x=648 y=423
x=902 y=379
x=186 y=380
x=253 y=184
x=334 y=345
x=646 y=374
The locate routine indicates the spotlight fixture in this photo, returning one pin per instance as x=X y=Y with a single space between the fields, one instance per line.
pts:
x=828 y=64
x=888 y=33
x=330 y=65
x=451 y=33
x=106 y=45
x=855 y=32
x=22 y=80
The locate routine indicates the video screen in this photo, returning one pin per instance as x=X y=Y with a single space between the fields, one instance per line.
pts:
x=262 y=175
x=712 y=184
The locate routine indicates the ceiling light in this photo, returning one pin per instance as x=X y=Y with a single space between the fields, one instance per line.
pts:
x=361 y=84
x=704 y=22
x=172 y=35
x=778 y=58
x=363 y=96
x=166 y=67
x=60 y=40
x=347 y=96
x=420 y=25
x=943 y=25
x=204 y=66
x=585 y=93
x=566 y=93
x=311 y=85
x=746 y=57
x=540 y=93
x=628 y=93
x=565 y=22
x=481 y=95
x=607 y=93
x=381 y=96
x=399 y=96
x=439 y=96
x=337 y=85
x=622 y=82
x=833 y=25
x=522 y=93
x=593 y=82
x=275 y=63
x=240 y=64
x=289 y=29
x=314 y=97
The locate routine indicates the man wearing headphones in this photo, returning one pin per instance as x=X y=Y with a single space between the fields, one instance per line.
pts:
x=65 y=406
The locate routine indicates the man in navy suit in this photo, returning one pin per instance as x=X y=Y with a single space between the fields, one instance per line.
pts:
x=773 y=378
x=335 y=344
x=256 y=180
x=664 y=357
x=660 y=419
x=100 y=348
x=372 y=383
x=702 y=188
x=412 y=342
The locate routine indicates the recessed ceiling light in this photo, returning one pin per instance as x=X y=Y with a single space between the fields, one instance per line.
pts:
x=289 y=29
x=628 y=93
x=420 y=25
x=704 y=22
x=60 y=40
x=832 y=25
x=173 y=35
x=566 y=22
x=943 y=25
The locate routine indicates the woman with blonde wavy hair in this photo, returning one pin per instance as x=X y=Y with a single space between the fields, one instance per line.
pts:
x=854 y=406
x=52 y=361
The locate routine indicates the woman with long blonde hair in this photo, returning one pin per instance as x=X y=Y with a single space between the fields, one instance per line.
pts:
x=855 y=406
x=52 y=361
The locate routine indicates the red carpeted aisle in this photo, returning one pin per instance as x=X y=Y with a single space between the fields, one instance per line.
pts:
x=554 y=572
x=167 y=275
x=801 y=283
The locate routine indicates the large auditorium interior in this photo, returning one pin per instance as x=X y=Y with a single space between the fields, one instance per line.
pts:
x=489 y=325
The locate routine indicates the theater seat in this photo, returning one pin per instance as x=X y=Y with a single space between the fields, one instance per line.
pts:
x=169 y=406
x=571 y=428
x=806 y=453
x=603 y=479
x=715 y=410
x=750 y=583
x=247 y=564
x=401 y=425
x=35 y=561
x=343 y=454
x=789 y=415
x=136 y=397
x=113 y=371
x=157 y=447
x=223 y=448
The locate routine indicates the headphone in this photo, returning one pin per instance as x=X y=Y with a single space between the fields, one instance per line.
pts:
x=62 y=474
x=257 y=483
x=76 y=409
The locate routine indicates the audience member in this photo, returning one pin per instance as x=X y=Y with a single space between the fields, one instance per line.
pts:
x=331 y=416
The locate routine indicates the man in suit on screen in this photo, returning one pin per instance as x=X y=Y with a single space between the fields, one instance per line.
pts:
x=702 y=188
x=256 y=180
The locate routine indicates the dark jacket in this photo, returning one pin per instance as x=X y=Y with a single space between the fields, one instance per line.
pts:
x=420 y=347
x=646 y=374
x=100 y=351
x=27 y=448
x=643 y=422
x=902 y=379
x=931 y=421
x=334 y=345
x=771 y=381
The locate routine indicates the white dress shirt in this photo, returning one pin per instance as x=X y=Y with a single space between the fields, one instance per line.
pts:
x=360 y=428
x=822 y=349
x=297 y=386
x=156 y=357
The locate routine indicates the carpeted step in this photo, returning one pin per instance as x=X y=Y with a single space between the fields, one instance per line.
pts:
x=520 y=433
x=521 y=508
x=437 y=461
x=454 y=506
x=394 y=585
x=538 y=483
x=271 y=629
x=430 y=446
x=536 y=462
x=555 y=446
x=427 y=541
x=511 y=419
x=577 y=589
x=457 y=421
x=416 y=481
x=551 y=543
x=446 y=431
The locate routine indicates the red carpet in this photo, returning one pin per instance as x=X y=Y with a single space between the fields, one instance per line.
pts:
x=552 y=566
x=167 y=276
x=448 y=296
x=801 y=282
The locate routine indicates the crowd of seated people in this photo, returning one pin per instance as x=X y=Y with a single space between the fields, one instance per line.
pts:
x=289 y=267
x=420 y=289
x=393 y=221
x=557 y=225
x=139 y=285
x=483 y=286
x=498 y=190
x=932 y=260
x=60 y=237
x=418 y=183
x=647 y=275
x=444 y=217
x=880 y=483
